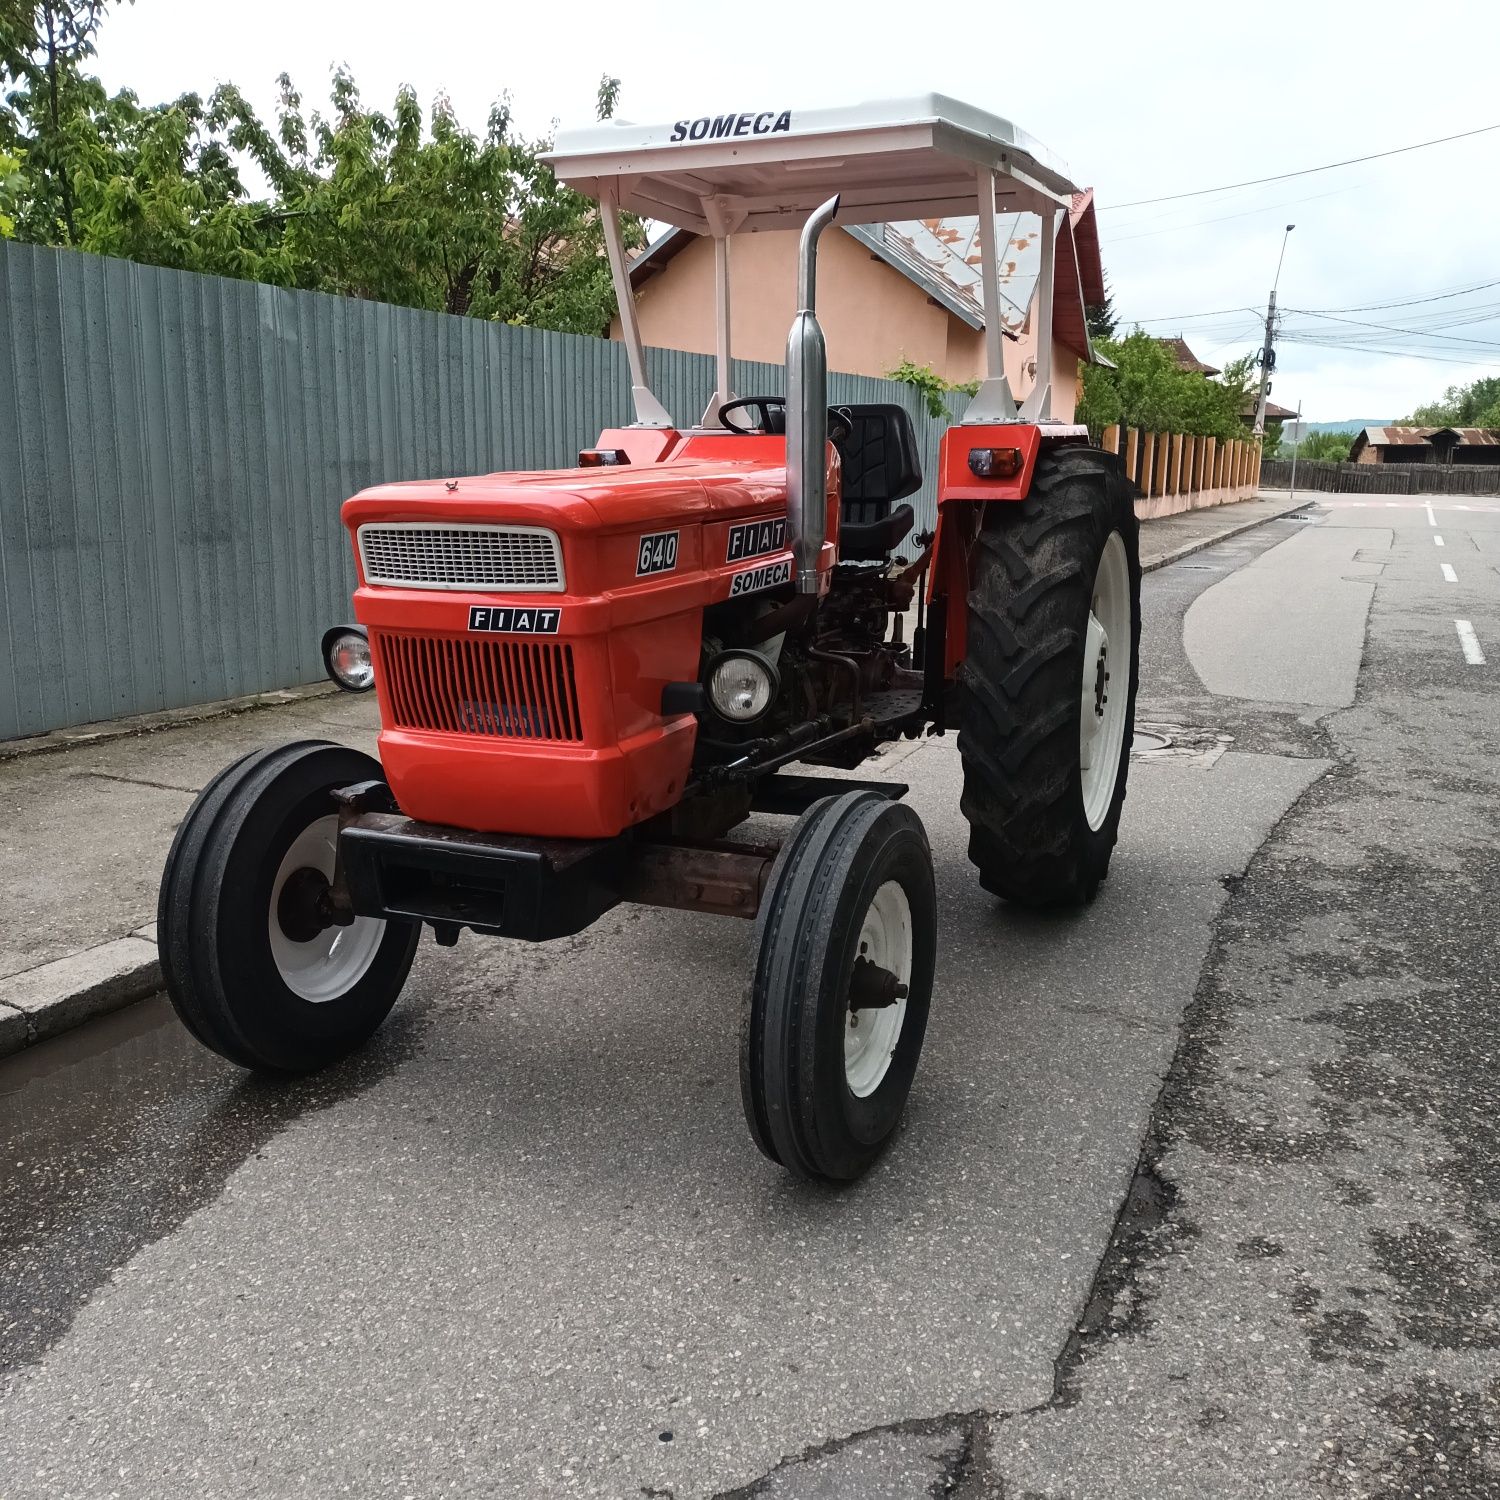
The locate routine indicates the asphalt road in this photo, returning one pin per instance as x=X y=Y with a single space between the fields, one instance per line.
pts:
x=1195 y=1193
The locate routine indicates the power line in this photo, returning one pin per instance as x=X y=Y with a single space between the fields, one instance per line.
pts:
x=1461 y=356
x=1438 y=359
x=1470 y=316
x=1224 y=312
x=1238 y=337
x=1463 y=291
x=1385 y=333
x=1246 y=213
x=1352 y=161
x=1421 y=333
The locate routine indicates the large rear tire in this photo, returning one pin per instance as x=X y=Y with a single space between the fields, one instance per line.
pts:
x=252 y=969
x=1049 y=680
x=832 y=1027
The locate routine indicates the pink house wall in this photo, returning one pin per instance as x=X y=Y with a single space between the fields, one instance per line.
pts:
x=873 y=317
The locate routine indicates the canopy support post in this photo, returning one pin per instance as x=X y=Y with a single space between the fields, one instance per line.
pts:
x=649 y=412
x=719 y=222
x=992 y=402
x=1038 y=405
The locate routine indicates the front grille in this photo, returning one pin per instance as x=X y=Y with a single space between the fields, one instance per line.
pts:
x=431 y=555
x=519 y=690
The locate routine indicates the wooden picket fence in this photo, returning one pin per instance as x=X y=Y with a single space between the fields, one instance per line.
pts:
x=1384 y=479
x=1176 y=471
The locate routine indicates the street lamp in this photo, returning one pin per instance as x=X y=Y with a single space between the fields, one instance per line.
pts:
x=1281 y=257
x=1268 y=349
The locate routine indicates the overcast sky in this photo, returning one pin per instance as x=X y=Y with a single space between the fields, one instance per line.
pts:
x=1140 y=100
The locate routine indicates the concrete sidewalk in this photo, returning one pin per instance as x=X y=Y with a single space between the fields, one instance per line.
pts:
x=84 y=829
x=1167 y=538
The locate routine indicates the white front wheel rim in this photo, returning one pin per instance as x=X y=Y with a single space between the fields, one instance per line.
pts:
x=1105 y=693
x=329 y=964
x=872 y=1035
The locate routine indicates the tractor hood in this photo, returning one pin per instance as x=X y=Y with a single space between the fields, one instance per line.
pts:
x=686 y=485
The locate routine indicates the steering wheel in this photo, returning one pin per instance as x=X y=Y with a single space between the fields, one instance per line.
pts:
x=771 y=411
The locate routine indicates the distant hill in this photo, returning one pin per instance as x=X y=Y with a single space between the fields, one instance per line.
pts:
x=1351 y=424
x=1291 y=433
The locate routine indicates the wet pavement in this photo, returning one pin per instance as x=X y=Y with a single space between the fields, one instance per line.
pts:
x=114 y=1134
x=522 y=1245
x=1311 y=1304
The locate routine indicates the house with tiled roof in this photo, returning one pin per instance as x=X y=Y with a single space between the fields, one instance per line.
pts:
x=886 y=293
x=1177 y=347
x=1426 y=445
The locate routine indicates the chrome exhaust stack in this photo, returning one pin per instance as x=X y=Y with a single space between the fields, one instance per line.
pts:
x=807 y=412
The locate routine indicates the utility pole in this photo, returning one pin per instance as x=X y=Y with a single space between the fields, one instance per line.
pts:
x=1296 y=446
x=1267 y=364
x=1268 y=349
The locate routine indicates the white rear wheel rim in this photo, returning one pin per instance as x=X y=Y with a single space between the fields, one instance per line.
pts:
x=1107 y=668
x=871 y=1036
x=331 y=963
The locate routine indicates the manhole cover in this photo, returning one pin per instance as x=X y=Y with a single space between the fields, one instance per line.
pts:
x=1179 y=742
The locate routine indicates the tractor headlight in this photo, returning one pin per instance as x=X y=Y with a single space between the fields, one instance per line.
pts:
x=741 y=686
x=346 y=655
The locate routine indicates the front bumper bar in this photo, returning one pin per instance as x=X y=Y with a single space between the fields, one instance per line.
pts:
x=505 y=884
x=519 y=886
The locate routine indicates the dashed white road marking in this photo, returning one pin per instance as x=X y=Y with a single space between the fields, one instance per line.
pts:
x=1338 y=502
x=1431 y=519
x=1473 y=652
x=1448 y=572
x=1438 y=540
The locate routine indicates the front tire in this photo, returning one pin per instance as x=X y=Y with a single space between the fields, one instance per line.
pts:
x=849 y=916
x=1049 y=680
x=250 y=966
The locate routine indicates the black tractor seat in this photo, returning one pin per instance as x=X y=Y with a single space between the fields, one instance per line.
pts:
x=874 y=541
x=879 y=465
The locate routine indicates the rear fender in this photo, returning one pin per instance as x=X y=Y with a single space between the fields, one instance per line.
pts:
x=961 y=499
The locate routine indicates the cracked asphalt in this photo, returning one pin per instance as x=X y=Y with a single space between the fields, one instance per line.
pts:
x=1195 y=1194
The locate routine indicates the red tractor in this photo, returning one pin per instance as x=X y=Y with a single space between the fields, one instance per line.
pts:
x=589 y=677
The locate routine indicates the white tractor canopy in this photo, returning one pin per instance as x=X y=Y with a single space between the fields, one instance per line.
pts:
x=768 y=169
x=924 y=157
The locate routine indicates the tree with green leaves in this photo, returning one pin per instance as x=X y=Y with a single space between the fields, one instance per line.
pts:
x=362 y=202
x=1100 y=316
x=1327 y=447
x=935 y=391
x=1143 y=386
x=51 y=113
x=1473 y=405
x=10 y=188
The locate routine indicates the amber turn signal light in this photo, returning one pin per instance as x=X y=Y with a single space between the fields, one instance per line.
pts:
x=602 y=458
x=995 y=463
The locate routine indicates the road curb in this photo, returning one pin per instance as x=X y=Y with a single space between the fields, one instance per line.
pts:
x=1188 y=548
x=136 y=725
x=55 y=997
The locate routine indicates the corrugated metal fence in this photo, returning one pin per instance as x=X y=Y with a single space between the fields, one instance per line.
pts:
x=174 y=450
x=1383 y=479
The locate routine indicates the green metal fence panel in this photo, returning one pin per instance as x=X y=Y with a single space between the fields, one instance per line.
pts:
x=174 y=450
